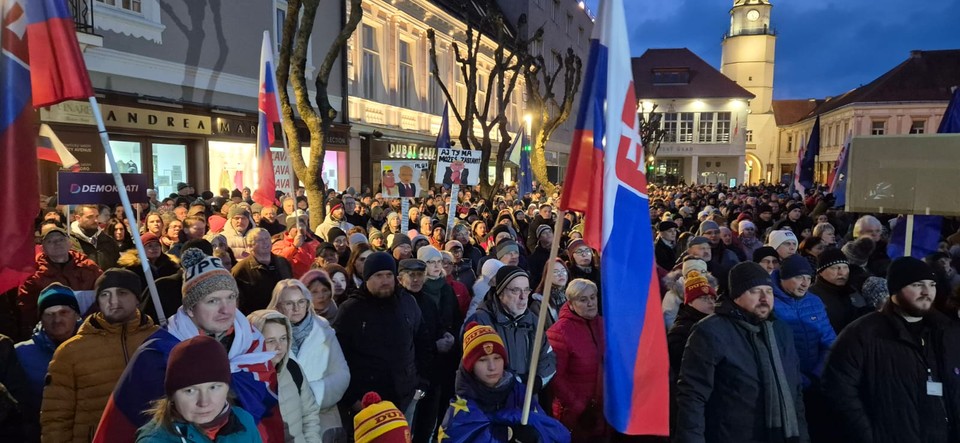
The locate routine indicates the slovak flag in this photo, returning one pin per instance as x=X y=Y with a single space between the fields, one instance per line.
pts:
x=269 y=114
x=605 y=180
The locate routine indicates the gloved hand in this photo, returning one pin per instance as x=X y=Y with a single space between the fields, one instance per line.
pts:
x=445 y=343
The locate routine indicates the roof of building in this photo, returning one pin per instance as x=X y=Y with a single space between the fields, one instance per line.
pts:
x=924 y=76
x=698 y=79
x=788 y=112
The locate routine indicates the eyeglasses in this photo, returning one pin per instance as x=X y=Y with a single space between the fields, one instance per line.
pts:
x=583 y=251
x=560 y=272
x=299 y=304
x=516 y=292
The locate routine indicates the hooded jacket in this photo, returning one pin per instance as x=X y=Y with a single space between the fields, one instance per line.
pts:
x=78 y=273
x=812 y=332
x=237 y=241
x=83 y=373
x=35 y=355
x=298 y=406
x=578 y=344
x=518 y=333
x=876 y=377
x=163 y=266
x=329 y=223
x=240 y=428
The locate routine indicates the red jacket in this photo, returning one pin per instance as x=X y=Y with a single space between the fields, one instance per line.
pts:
x=578 y=385
x=300 y=258
x=463 y=295
x=79 y=273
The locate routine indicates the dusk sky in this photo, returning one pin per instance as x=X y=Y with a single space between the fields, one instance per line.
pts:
x=824 y=47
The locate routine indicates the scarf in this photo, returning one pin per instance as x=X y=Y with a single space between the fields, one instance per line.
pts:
x=245 y=351
x=300 y=333
x=781 y=412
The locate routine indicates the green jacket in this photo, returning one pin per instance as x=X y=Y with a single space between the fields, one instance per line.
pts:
x=240 y=429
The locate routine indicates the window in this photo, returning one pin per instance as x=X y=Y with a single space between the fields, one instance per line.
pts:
x=481 y=91
x=281 y=13
x=436 y=97
x=461 y=94
x=569 y=24
x=789 y=143
x=372 y=77
x=918 y=127
x=685 y=130
x=878 y=127
x=407 y=84
x=705 y=135
x=670 y=127
x=129 y=5
x=723 y=127
x=580 y=38
x=749 y=135
x=829 y=139
x=556 y=11
x=671 y=76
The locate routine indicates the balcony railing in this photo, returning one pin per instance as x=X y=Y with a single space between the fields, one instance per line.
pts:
x=766 y=30
x=82 y=15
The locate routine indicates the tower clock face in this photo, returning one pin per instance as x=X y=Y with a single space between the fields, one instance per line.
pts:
x=753 y=15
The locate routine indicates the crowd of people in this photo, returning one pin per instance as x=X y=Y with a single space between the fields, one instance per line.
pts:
x=786 y=320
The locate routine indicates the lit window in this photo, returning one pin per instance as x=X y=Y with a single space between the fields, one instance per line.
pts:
x=129 y=5
x=723 y=127
x=749 y=136
x=789 y=143
x=685 y=130
x=670 y=127
x=705 y=134
x=372 y=78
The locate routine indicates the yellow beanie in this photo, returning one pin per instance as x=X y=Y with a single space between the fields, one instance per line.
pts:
x=380 y=421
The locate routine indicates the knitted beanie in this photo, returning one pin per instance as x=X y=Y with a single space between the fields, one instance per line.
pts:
x=696 y=286
x=428 y=253
x=118 y=278
x=830 y=257
x=744 y=224
x=56 y=294
x=543 y=228
x=858 y=251
x=693 y=264
x=149 y=237
x=203 y=274
x=478 y=341
x=376 y=262
x=375 y=234
x=795 y=265
x=236 y=210
x=777 y=238
x=453 y=244
x=334 y=233
x=507 y=274
x=356 y=238
x=397 y=240
x=698 y=240
x=905 y=271
x=379 y=422
x=200 y=359
x=505 y=247
x=764 y=252
x=708 y=225
x=746 y=276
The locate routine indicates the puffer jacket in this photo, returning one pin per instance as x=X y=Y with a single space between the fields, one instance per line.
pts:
x=83 y=373
x=578 y=401
x=518 y=335
x=240 y=428
x=35 y=355
x=812 y=333
x=78 y=273
x=329 y=223
x=237 y=241
x=463 y=272
x=300 y=258
x=163 y=266
x=298 y=407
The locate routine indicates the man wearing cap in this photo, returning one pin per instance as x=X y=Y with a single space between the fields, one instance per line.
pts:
x=235 y=231
x=666 y=246
x=59 y=319
x=258 y=273
x=85 y=368
x=538 y=259
x=209 y=308
x=384 y=339
x=55 y=264
x=506 y=309
x=843 y=303
x=767 y=258
x=90 y=239
x=739 y=380
x=784 y=242
x=334 y=219
x=892 y=375
x=326 y=254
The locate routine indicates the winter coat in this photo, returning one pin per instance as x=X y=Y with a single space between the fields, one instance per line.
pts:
x=240 y=428
x=518 y=335
x=329 y=223
x=720 y=396
x=464 y=273
x=170 y=291
x=593 y=275
x=721 y=261
x=385 y=344
x=325 y=369
x=677 y=336
x=812 y=332
x=237 y=241
x=481 y=414
x=301 y=259
x=538 y=263
x=876 y=378
x=666 y=255
x=35 y=355
x=101 y=248
x=163 y=266
x=474 y=254
x=78 y=273
x=578 y=344
x=463 y=295
x=256 y=281
x=83 y=373
x=843 y=304
x=13 y=382
x=673 y=299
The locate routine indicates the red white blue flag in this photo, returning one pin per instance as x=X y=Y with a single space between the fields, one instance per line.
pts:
x=269 y=114
x=40 y=65
x=605 y=180
x=51 y=149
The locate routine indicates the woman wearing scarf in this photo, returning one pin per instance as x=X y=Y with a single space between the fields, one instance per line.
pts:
x=209 y=308
x=314 y=345
x=557 y=293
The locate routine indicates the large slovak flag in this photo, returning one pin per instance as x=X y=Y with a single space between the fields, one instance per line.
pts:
x=605 y=180
x=40 y=65
x=268 y=108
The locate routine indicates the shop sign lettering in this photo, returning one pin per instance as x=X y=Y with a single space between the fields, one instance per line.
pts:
x=77 y=112
x=411 y=151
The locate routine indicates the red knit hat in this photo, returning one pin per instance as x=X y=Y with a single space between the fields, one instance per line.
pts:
x=379 y=422
x=696 y=286
x=200 y=359
x=478 y=341
x=148 y=237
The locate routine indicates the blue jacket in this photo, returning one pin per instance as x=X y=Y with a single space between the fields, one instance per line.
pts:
x=35 y=355
x=239 y=429
x=812 y=332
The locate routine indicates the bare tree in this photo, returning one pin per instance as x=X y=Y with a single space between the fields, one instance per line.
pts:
x=508 y=66
x=549 y=113
x=319 y=114
x=651 y=134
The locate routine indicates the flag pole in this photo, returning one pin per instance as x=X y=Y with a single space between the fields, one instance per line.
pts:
x=451 y=213
x=128 y=210
x=542 y=320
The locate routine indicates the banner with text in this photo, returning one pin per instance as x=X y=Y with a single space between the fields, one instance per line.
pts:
x=458 y=167
x=282 y=170
x=82 y=188
x=403 y=178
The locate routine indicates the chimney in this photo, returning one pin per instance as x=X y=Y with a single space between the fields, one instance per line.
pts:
x=916 y=53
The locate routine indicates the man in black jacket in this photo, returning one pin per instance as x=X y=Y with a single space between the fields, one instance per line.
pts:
x=892 y=375
x=739 y=378
x=843 y=303
x=666 y=246
x=699 y=301
x=384 y=339
x=88 y=238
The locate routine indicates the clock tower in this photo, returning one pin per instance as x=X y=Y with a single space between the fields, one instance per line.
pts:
x=747 y=58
